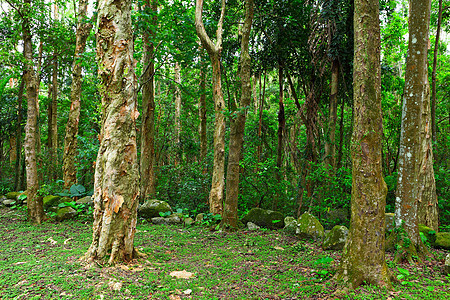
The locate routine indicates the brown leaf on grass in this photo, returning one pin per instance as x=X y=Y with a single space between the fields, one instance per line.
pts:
x=182 y=274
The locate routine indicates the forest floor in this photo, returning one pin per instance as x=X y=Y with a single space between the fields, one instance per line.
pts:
x=41 y=262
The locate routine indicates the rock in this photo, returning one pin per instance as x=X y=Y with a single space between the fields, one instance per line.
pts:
x=151 y=208
x=158 y=220
x=338 y=215
x=264 y=218
x=9 y=202
x=86 y=200
x=199 y=218
x=336 y=238
x=13 y=195
x=390 y=221
x=3 y=198
x=252 y=226
x=447 y=265
x=188 y=221
x=170 y=220
x=429 y=233
x=290 y=224
x=50 y=201
x=65 y=213
x=309 y=227
x=442 y=240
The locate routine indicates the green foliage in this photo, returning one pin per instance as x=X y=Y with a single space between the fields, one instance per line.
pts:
x=76 y=190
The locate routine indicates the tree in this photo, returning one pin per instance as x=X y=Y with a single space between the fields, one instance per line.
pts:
x=433 y=74
x=214 y=51
x=70 y=141
x=230 y=218
x=363 y=259
x=116 y=186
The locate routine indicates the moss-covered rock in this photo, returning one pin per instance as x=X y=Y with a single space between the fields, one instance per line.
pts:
x=336 y=238
x=447 y=264
x=13 y=195
x=309 y=227
x=264 y=218
x=429 y=233
x=290 y=224
x=442 y=240
x=65 y=213
x=152 y=208
x=199 y=218
x=390 y=221
x=86 y=200
x=50 y=201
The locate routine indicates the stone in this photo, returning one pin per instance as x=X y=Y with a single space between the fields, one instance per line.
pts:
x=9 y=202
x=447 y=265
x=336 y=238
x=158 y=220
x=173 y=219
x=50 y=201
x=85 y=200
x=429 y=233
x=390 y=222
x=65 y=213
x=199 y=218
x=252 y=226
x=442 y=240
x=151 y=208
x=309 y=227
x=264 y=218
x=13 y=195
x=3 y=198
x=188 y=221
x=290 y=224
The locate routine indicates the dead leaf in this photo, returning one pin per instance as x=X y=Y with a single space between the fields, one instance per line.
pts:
x=278 y=248
x=20 y=263
x=187 y=292
x=174 y=297
x=182 y=274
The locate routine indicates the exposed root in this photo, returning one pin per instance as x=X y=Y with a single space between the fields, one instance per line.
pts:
x=405 y=249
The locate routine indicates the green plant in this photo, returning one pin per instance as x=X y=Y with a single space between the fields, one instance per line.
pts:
x=165 y=214
x=76 y=190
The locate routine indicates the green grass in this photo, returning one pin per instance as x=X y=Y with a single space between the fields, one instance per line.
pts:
x=41 y=262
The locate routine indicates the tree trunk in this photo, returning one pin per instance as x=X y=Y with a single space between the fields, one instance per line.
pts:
x=17 y=177
x=147 y=162
x=116 y=186
x=341 y=137
x=177 y=71
x=12 y=150
x=70 y=141
x=214 y=52
x=34 y=203
x=202 y=114
x=281 y=129
x=261 y=108
x=54 y=123
x=230 y=218
x=433 y=74
x=363 y=259
x=330 y=141
x=411 y=142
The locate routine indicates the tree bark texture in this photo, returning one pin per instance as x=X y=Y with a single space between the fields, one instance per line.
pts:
x=433 y=74
x=116 y=185
x=177 y=78
x=214 y=52
x=415 y=96
x=70 y=140
x=230 y=218
x=54 y=121
x=330 y=143
x=202 y=114
x=363 y=259
x=147 y=162
x=34 y=203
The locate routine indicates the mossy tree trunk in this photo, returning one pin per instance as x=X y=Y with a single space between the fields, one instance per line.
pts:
x=70 y=140
x=363 y=259
x=415 y=150
x=214 y=51
x=230 y=217
x=34 y=203
x=147 y=162
x=116 y=186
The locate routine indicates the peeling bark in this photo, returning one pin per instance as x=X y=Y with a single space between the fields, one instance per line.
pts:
x=70 y=141
x=116 y=186
x=363 y=259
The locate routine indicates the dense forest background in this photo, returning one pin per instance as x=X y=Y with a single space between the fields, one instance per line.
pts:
x=296 y=151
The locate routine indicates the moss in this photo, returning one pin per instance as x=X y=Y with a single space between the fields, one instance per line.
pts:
x=442 y=240
x=264 y=218
x=65 y=213
x=336 y=238
x=152 y=208
x=13 y=195
x=309 y=227
x=50 y=201
x=429 y=233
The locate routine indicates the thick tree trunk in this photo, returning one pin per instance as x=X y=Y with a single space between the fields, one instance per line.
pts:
x=363 y=259
x=330 y=142
x=147 y=162
x=411 y=142
x=70 y=141
x=17 y=177
x=433 y=74
x=230 y=218
x=214 y=52
x=116 y=186
x=34 y=203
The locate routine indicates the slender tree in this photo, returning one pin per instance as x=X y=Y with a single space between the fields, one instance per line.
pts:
x=70 y=141
x=363 y=259
x=433 y=74
x=116 y=186
x=214 y=51
x=17 y=176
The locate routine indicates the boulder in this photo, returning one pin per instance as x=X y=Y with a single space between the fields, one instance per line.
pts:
x=442 y=240
x=2 y=198
x=447 y=265
x=309 y=227
x=336 y=238
x=13 y=195
x=86 y=200
x=429 y=233
x=264 y=218
x=252 y=226
x=290 y=224
x=170 y=220
x=151 y=208
x=9 y=202
x=199 y=218
x=188 y=221
x=50 y=201
x=65 y=213
x=390 y=221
